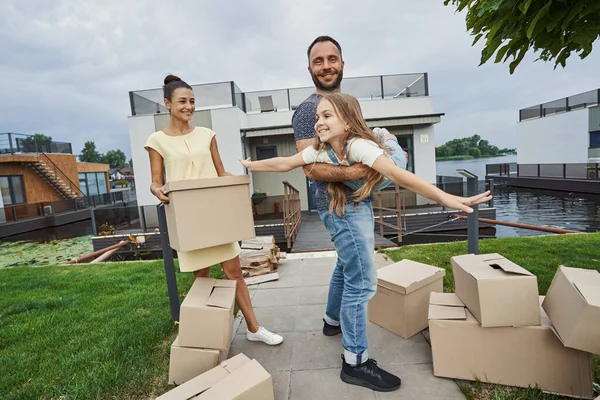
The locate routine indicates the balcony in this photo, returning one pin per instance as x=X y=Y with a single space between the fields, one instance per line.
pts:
x=15 y=143
x=228 y=94
x=582 y=100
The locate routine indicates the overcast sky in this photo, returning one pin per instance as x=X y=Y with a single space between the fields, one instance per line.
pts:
x=67 y=65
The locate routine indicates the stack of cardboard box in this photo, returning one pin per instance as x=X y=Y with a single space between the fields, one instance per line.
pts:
x=494 y=328
x=205 y=329
x=238 y=378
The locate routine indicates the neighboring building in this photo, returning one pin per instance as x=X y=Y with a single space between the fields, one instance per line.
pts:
x=49 y=173
x=258 y=125
x=561 y=131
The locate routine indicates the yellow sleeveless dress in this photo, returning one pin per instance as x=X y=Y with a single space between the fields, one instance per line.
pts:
x=188 y=157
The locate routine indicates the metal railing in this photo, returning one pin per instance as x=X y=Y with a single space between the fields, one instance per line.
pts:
x=565 y=104
x=228 y=94
x=584 y=171
x=14 y=143
x=292 y=216
x=19 y=212
x=399 y=211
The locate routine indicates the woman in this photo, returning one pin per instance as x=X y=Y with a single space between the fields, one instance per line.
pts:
x=189 y=152
x=343 y=136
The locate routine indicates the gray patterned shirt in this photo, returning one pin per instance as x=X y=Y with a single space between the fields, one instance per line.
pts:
x=303 y=123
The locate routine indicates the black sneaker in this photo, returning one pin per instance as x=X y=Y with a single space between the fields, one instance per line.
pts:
x=331 y=330
x=369 y=375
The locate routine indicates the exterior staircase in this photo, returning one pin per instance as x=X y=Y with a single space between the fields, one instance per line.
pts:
x=56 y=178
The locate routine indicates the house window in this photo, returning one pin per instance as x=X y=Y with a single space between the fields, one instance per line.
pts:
x=264 y=152
x=93 y=183
x=594 y=139
x=406 y=142
x=13 y=191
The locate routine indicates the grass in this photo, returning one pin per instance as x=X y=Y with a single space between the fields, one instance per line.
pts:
x=86 y=331
x=541 y=255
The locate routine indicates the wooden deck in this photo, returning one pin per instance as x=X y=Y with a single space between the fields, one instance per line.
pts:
x=314 y=237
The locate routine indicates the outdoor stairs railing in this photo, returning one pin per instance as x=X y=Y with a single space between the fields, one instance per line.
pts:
x=56 y=177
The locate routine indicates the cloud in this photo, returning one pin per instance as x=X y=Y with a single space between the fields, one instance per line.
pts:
x=68 y=66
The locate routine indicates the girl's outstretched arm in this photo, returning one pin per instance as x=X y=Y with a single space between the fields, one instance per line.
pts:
x=412 y=182
x=275 y=164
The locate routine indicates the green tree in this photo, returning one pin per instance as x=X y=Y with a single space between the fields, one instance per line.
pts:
x=475 y=152
x=89 y=153
x=554 y=28
x=35 y=143
x=442 y=151
x=114 y=158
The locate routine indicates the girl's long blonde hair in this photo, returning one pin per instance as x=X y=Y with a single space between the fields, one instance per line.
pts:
x=349 y=111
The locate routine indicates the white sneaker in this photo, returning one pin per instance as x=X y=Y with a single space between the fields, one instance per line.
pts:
x=380 y=133
x=263 y=335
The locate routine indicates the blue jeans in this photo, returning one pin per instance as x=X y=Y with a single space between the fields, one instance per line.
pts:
x=354 y=279
x=396 y=155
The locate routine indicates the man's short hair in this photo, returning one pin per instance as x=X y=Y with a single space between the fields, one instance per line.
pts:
x=324 y=39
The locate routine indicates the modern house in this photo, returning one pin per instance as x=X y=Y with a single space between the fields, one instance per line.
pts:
x=561 y=131
x=258 y=125
x=37 y=177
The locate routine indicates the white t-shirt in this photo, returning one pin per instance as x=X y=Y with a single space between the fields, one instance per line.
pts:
x=361 y=150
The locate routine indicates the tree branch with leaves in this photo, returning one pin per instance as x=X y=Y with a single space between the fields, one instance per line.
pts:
x=554 y=28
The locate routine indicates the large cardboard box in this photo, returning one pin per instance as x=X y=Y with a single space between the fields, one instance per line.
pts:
x=188 y=362
x=238 y=378
x=402 y=298
x=496 y=291
x=206 y=317
x=516 y=356
x=573 y=305
x=209 y=212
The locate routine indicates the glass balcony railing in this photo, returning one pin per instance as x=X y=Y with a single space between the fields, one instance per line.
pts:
x=11 y=143
x=565 y=104
x=228 y=94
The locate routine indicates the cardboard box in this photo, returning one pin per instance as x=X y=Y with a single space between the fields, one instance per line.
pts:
x=402 y=298
x=206 y=317
x=496 y=291
x=209 y=212
x=188 y=362
x=516 y=356
x=238 y=378
x=573 y=305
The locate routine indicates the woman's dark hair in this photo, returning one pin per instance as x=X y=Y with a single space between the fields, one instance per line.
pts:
x=173 y=82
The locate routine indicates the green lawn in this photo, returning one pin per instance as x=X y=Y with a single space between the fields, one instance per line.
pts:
x=103 y=331
x=86 y=331
x=540 y=255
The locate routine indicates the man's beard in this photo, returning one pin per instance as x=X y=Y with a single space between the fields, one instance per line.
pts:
x=330 y=87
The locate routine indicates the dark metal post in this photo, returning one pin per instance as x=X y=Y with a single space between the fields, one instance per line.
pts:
x=12 y=151
x=538 y=168
x=473 y=218
x=517 y=170
x=143 y=218
x=491 y=188
x=94 y=227
x=169 y=263
x=564 y=171
x=382 y=89
x=597 y=170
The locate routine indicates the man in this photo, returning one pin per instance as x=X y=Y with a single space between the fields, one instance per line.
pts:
x=354 y=280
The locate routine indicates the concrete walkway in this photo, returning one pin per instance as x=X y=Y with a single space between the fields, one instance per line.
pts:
x=307 y=364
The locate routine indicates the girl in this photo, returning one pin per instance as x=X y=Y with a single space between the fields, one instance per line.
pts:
x=343 y=137
x=190 y=152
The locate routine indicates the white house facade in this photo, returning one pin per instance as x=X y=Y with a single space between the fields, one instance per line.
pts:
x=561 y=131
